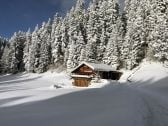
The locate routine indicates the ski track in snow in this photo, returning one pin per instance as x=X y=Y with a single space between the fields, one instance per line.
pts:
x=28 y=100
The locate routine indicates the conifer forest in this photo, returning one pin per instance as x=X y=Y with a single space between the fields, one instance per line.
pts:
x=101 y=32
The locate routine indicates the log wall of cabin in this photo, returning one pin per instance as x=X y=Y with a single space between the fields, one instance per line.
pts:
x=81 y=82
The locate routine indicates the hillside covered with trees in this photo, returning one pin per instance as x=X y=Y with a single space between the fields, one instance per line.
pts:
x=98 y=33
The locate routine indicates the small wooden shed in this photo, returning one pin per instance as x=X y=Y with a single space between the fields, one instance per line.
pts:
x=86 y=72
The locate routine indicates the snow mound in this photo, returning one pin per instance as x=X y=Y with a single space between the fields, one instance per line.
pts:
x=150 y=71
x=147 y=71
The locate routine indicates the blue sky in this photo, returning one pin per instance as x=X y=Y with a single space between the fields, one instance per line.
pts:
x=21 y=14
x=18 y=15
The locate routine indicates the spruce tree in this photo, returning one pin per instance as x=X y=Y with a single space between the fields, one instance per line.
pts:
x=3 y=44
x=16 y=52
x=57 y=54
x=77 y=36
x=133 y=48
x=158 y=37
x=34 y=51
x=27 y=56
x=93 y=32
x=45 y=47
x=5 y=60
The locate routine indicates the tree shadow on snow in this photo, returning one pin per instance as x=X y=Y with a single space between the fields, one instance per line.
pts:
x=18 y=81
x=10 y=77
x=8 y=100
x=13 y=88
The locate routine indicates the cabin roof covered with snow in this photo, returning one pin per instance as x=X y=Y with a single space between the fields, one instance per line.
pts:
x=96 y=66
x=82 y=76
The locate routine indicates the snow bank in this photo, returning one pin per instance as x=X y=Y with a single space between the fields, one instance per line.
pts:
x=150 y=71
x=147 y=71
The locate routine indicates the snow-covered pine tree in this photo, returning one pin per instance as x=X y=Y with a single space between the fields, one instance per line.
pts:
x=55 y=22
x=109 y=15
x=159 y=30
x=133 y=49
x=65 y=39
x=45 y=47
x=77 y=37
x=93 y=32
x=17 y=43
x=40 y=52
x=56 y=42
x=71 y=52
x=75 y=51
x=27 y=56
x=83 y=55
x=3 y=44
x=112 y=53
x=150 y=25
x=111 y=40
x=121 y=32
x=34 y=51
x=5 y=60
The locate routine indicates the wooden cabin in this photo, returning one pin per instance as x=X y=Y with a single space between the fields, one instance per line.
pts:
x=86 y=72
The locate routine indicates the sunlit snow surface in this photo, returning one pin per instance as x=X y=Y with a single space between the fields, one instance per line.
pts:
x=33 y=100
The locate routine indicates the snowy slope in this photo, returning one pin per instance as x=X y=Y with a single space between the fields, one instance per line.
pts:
x=32 y=87
x=27 y=99
x=150 y=72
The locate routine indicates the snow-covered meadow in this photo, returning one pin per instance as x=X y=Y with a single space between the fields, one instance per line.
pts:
x=32 y=100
